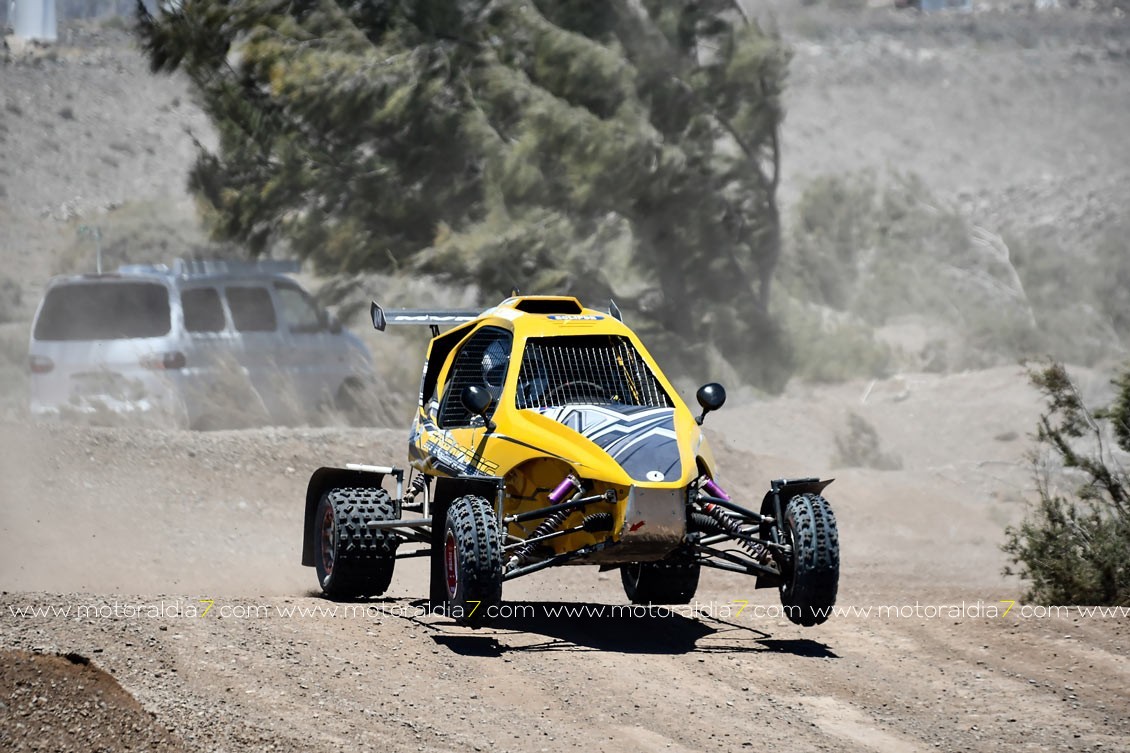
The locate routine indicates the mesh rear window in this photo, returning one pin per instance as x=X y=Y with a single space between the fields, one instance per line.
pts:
x=104 y=311
x=596 y=369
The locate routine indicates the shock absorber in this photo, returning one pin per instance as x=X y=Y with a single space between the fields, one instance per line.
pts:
x=566 y=488
x=418 y=485
x=547 y=526
x=569 y=486
x=731 y=524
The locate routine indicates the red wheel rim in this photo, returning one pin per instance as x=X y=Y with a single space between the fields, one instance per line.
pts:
x=450 y=566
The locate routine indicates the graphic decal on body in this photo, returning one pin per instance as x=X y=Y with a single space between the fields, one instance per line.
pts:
x=439 y=452
x=641 y=439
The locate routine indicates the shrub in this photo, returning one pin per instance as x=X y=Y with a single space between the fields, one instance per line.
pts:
x=13 y=371
x=827 y=345
x=11 y=300
x=1078 y=294
x=1074 y=548
x=1112 y=291
x=140 y=232
x=859 y=448
x=882 y=249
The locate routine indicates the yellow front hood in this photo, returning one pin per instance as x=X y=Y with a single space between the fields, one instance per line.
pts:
x=620 y=444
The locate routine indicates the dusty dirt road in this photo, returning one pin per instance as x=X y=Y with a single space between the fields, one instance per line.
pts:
x=114 y=542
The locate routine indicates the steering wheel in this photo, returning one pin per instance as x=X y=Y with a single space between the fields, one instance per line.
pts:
x=583 y=383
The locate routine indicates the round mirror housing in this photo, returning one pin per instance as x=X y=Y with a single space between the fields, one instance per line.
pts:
x=477 y=400
x=711 y=397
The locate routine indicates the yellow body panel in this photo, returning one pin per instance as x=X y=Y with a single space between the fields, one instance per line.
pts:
x=533 y=451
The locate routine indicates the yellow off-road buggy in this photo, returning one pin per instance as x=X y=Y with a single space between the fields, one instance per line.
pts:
x=547 y=435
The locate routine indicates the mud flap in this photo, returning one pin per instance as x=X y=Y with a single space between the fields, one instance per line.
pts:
x=322 y=481
x=773 y=506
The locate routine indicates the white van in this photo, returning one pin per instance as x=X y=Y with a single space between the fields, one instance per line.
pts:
x=203 y=344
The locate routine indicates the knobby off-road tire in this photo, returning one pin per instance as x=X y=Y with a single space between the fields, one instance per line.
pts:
x=660 y=582
x=809 y=589
x=353 y=560
x=472 y=561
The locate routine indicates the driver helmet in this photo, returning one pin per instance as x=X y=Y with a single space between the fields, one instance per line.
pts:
x=495 y=358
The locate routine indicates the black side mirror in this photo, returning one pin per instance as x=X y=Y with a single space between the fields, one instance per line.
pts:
x=711 y=397
x=378 y=315
x=478 y=400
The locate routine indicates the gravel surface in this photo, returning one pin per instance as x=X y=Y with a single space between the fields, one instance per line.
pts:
x=170 y=559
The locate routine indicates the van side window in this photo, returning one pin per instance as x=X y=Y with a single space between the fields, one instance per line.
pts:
x=482 y=361
x=202 y=310
x=251 y=309
x=298 y=311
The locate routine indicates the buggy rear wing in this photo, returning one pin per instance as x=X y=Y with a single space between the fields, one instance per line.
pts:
x=431 y=317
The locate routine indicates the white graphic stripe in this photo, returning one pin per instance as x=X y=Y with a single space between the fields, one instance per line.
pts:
x=621 y=446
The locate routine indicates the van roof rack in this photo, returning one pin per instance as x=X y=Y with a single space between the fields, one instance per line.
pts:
x=202 y=267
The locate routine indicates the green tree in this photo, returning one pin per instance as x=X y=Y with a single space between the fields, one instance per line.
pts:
x=1075 y=548
x=616 y=148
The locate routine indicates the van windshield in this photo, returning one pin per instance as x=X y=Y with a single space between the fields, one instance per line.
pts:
x=104 y=311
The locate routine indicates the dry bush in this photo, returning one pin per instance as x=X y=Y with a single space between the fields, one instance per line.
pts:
x=225 y=397
x=398 y=353
x=859 y=448
x=876 y=252
x=1112 y=288
x=11 y=300
x=143 y=232
x=13 y=370
x=1074 y=546
x=830 y=346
